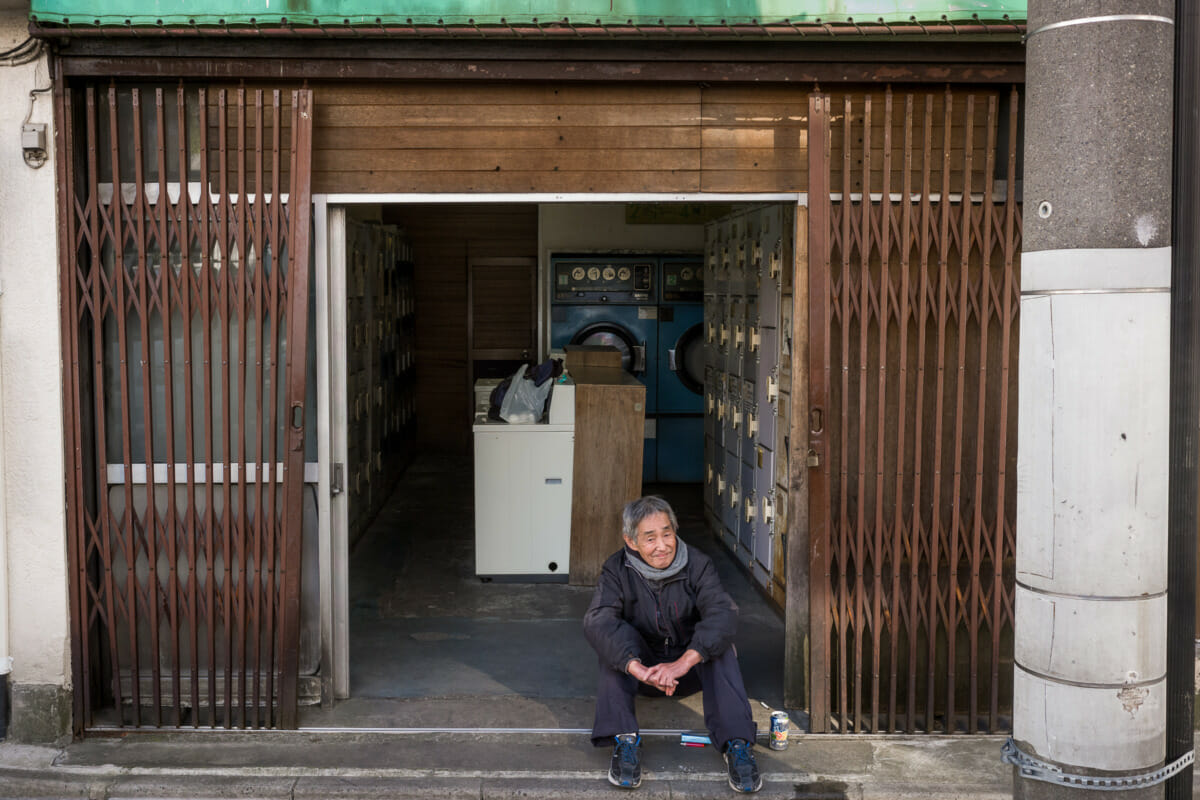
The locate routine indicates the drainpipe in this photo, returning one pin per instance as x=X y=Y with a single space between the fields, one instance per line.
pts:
x=1185 y=400
x=1090 y=693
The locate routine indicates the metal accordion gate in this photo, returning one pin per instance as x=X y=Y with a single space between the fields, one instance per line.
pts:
x=914 y=237
x=184 y=247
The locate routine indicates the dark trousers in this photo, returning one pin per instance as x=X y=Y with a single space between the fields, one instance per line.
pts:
x=726 y=707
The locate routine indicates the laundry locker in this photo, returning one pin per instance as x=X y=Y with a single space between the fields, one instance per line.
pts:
x=612 y=300
x=681 y=365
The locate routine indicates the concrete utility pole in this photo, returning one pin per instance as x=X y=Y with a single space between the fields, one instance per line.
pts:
x=1092 y=458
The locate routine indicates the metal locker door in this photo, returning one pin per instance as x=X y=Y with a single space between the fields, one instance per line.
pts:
x=751 y=419
x=733 y=479
x=714 y=310
x=734 y=319
x=768 y=377
x=711 y=469
x=769 y=281
x=764 y=489
x=746 y=521
x=733 y=414
x=710 y=401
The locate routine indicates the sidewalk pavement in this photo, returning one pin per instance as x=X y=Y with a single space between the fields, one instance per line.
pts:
x=371 y=766
x=375 y=765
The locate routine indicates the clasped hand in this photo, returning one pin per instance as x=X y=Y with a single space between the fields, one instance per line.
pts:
x=665 y=677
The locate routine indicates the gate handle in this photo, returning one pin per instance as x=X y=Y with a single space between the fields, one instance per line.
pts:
x=297 y=416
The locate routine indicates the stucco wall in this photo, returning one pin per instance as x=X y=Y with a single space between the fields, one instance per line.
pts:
x=33 y=520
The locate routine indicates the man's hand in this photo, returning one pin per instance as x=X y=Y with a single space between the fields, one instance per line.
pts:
x=665 y=677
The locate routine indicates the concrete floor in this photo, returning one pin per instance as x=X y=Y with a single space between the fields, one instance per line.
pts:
x=433 y=646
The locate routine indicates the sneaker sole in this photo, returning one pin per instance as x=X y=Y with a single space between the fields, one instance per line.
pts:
x=740 y=790
x=620 y=785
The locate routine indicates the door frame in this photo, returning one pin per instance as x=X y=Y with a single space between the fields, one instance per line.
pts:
x=329 y=219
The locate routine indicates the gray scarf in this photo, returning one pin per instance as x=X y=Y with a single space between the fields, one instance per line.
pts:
x=651 y=573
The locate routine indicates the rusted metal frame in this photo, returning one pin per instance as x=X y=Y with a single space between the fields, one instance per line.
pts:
x=883 y=236
x=919 y=532
x=861 y=543
x=225 y=304
x=1006 y=322
x=241 y=586
x=985 y=268
x=69 y=322
x=120 y=309
x=98 y=303
x=935 y=533
x=142 y=299
x=263 y=472
x=905 y=245
x=955 y=533
x=297 y=68
x=210 y=518
x=165 y=273
x=297 y=337
x=277 y=225
x=844 y=543
x=818 y=400
x=186 y=287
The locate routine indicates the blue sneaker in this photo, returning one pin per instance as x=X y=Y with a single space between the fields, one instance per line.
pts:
x=625 y=770
x=743 y=769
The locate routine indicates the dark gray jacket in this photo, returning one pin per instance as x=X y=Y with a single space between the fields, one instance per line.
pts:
x=631 y=618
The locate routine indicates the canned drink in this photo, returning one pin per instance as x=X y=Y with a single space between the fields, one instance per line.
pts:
x=779 y=730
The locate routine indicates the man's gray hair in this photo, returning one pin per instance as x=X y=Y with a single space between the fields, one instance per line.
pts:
x=637 y=510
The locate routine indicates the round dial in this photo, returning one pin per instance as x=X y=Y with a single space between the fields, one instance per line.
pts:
x=686 y=273
x=578 y=273
x=609 y=273
x=623 y=273
x=593 y=273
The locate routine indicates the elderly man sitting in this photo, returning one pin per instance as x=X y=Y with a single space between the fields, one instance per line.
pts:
x=662 y=624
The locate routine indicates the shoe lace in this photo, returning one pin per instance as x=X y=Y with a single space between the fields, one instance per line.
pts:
x=627 y=752
x=739 y=754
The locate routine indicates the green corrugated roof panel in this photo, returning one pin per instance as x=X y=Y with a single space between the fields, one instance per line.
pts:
x=170 y=13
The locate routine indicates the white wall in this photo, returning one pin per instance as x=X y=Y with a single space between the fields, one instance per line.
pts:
x=33 y=514
x=601 y=227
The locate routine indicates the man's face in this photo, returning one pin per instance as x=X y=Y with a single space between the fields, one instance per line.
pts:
x=655 y=540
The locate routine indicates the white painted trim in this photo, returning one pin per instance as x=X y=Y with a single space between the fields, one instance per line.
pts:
x=324 y=446
x=339 y=509
x=273 y=473
x=569 y=197
x=1110 y=269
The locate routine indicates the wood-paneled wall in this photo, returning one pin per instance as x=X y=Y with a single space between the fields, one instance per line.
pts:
x=454 y=137
x=443 y=238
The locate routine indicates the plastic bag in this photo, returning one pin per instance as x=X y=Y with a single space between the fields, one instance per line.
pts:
x=524 y=401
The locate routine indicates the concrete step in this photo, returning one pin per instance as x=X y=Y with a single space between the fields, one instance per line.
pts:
x=376 y=765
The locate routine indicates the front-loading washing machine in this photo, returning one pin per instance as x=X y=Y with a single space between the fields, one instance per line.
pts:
x=681 y=362
x=612 y=300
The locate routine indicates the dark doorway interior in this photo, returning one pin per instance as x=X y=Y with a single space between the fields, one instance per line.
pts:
x=433 y=646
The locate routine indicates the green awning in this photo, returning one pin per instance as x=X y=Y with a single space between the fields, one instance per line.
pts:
x=863 y=14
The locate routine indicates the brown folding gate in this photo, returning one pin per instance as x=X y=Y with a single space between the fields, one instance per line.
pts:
x=184 y=234
x=914 y=231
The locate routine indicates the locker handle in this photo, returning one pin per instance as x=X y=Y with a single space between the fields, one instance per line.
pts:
x=816 y=420
x=554 y=481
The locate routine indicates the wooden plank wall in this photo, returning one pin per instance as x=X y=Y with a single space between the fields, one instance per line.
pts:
x=443 y=238
x=455 y=137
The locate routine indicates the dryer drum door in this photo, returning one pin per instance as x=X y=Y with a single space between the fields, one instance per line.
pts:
x=633 y=352
x=687 y=358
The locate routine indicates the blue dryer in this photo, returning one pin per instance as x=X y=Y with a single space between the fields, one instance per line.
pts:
x=681 y=356
x=611 y=300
